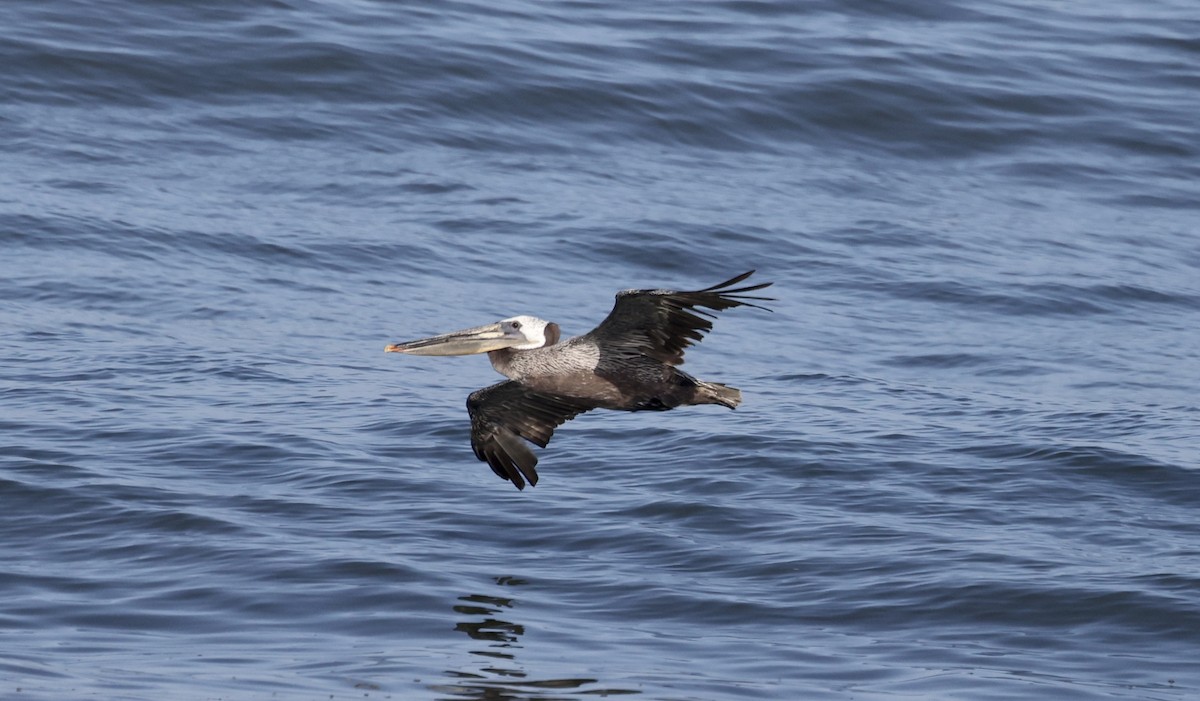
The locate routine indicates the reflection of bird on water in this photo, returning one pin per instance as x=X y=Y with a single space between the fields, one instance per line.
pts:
x=492 y=630
x=491 y=682
x=627 y=363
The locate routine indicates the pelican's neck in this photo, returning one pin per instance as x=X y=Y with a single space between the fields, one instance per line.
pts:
x=502 y=360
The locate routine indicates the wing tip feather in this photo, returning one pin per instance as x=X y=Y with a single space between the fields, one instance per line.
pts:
x=736 y=296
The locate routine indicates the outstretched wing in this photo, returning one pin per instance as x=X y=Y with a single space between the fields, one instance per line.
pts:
x=503 y=414
x=663 y=323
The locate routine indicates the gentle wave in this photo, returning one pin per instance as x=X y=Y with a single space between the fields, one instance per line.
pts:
x=966 y=462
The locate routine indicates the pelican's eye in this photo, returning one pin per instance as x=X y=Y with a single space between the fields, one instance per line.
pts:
x=516 y=325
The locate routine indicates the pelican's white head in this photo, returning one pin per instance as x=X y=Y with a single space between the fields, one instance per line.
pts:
x=537 y=333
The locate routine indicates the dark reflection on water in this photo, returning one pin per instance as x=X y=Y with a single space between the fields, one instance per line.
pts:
x=500 y=676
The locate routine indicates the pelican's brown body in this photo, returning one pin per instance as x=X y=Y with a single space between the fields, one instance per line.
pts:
x=582 y=369
x=627 y=363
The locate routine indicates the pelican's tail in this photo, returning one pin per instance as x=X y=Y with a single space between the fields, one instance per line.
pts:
x=717 y=393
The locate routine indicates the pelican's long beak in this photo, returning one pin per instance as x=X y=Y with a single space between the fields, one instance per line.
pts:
x=480 y=339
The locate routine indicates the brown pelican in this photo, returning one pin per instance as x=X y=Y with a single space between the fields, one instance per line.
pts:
x=626 y=363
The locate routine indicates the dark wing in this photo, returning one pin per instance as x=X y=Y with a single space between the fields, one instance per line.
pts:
x=662 y=323
x=503 y=414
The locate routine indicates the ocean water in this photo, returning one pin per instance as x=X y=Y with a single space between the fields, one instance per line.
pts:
x=967 y=465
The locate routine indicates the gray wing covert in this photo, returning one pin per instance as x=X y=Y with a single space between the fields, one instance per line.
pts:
x=504 y=414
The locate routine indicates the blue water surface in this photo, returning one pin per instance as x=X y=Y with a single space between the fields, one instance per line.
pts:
x=968 y=461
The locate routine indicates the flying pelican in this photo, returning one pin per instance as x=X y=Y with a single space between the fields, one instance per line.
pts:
x=627 y=363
